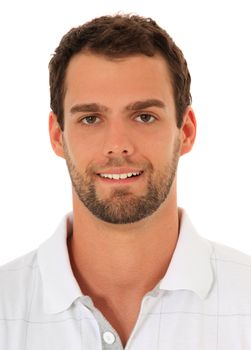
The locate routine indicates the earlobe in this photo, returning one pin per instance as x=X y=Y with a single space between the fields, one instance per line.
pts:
x=56 y=136
x=188 y=130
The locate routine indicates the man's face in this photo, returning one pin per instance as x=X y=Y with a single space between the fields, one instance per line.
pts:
x=120 y=138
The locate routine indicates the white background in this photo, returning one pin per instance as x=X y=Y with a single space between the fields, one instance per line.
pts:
x=214 y=180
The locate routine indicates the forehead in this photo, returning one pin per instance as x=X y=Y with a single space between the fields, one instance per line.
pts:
x=90 y=75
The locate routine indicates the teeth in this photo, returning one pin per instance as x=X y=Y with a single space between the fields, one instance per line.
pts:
x=119 y=176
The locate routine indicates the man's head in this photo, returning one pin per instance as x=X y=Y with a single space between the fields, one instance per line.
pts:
x=115 y=117
x=117 y=37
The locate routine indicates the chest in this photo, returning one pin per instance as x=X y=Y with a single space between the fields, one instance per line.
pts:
x=174 y=322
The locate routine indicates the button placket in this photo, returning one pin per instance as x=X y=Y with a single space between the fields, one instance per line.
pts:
x=109 y=338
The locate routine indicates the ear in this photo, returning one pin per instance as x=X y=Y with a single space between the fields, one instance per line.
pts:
x=188 y=131
x=56 y=135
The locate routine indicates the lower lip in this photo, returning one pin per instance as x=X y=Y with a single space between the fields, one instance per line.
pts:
x=128 y=180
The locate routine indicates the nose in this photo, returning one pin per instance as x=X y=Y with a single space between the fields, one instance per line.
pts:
x=118 y=141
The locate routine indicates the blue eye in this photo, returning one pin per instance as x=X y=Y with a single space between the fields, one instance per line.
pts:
x=145 y=118
x=90 y=119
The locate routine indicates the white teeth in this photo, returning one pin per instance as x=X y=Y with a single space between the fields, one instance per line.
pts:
x=119 y=176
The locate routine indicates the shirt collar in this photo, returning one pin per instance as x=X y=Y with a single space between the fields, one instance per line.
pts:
x=190 y=267
x=60 y=288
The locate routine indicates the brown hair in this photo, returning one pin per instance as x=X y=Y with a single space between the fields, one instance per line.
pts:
x=119 y=36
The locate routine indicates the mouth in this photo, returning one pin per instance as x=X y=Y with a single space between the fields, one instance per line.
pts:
x=121 y=176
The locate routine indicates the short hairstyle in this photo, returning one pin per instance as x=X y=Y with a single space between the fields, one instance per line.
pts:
x=116 y=37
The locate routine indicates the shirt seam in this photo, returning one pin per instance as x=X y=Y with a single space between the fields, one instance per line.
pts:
x=218 y=296
x=159 y=325
x=32 y=267
x=163 y=313
x=29 y=309
x=80 y=327
x=199 y=314
x=230 y=261
x=44 y=322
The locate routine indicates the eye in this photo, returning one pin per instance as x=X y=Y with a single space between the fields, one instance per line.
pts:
x=145 y=118
x=90 y=119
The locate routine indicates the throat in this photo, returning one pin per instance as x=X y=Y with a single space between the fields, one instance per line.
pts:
x=121 y=314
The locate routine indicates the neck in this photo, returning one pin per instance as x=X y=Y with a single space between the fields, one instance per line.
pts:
x=106 y=258
x=116 y=265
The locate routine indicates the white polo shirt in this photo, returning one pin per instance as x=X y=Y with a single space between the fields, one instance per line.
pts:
x=202 y=303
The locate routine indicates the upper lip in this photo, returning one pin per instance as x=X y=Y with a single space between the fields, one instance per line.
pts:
x=120 y=171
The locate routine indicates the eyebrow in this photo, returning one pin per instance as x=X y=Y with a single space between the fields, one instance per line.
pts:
x=137 y=105
x=88 y=107
x=145 y=104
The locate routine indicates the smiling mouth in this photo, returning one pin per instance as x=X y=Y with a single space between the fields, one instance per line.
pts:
x=123 y=176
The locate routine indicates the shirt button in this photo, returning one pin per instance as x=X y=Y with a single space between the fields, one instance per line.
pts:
x=109 y=338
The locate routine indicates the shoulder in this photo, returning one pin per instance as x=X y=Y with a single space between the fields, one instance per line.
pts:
x=232 y=270
x=16 y=284
x=228 y=259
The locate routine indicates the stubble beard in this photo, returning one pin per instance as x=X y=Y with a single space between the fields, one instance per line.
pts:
x=123 y=207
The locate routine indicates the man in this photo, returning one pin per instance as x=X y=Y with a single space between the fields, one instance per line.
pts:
x=125 y=270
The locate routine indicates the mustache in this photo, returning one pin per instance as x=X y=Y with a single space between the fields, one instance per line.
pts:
x=120 y=162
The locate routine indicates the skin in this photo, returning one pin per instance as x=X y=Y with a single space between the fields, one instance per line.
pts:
x=117 y=264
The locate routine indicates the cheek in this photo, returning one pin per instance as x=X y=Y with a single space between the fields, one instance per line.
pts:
x=79 y=147
x=166 y=154
x=84 y=141
x=162 y=147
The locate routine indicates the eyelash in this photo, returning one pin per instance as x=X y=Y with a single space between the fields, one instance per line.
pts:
x=88 y=116
x=137 y=116
x=147 y=114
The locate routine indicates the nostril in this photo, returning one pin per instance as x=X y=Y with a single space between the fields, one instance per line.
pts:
x=119 y=148
x=116 y=151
